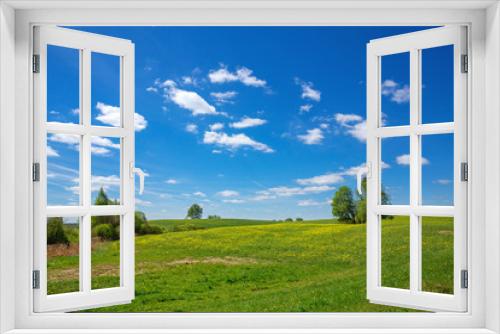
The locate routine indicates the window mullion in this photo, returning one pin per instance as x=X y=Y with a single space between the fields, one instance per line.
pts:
x=86 y=174
x=415 y=171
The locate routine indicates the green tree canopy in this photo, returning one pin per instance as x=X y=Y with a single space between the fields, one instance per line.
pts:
x=55 y=231
x=343 y=206
x=195 y=212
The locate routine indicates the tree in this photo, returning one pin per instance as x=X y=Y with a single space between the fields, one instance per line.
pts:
x=289 y=220
x=213 y=217
x=142 y=226
x=343 y=206
x=195 y=212
x=361 y=203
x=55 y=231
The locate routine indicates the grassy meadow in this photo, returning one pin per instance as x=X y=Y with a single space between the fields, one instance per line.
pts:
x=232 y=265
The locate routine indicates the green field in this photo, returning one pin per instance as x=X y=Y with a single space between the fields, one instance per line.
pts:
x=229 y=265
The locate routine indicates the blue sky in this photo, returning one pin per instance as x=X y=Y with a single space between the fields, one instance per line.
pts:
x=249 y=122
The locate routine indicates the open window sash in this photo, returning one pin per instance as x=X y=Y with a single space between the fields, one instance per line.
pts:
x=414 y=44
x=84 y=44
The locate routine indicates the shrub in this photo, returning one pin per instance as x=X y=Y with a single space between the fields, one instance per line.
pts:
x=142 y=226
x=289 y=220
x=298 y=219
x=213 y=217
x=55 y=231
x=107 y=232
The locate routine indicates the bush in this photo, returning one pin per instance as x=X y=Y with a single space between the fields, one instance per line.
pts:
x=298 y=219
x=142 y=226
x=289 y=220
x=107 y=232
x=343 y=206
x=55 y=231
x=213 y=217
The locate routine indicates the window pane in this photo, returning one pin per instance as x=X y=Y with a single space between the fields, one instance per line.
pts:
x=106 y=90
x=396 y=252
x=437 y=169
x=395 y=174
x=395 y=89
x=63 y=254
x=437 y=254
x=63 y=166
x=437 y=84
x=106 y=182
x=106 y=252
x=63 y=84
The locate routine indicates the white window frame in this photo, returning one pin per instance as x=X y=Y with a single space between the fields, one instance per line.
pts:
x=16 y=20
x=413 y=44
x=85 y=44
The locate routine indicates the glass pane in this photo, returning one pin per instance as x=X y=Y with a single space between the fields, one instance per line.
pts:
x=396 y=252
x=105 y=252
x=63 y=255
x=437 y=84
x=437 y=254
x=63 y=166
x=105 y=170
x=395 y=174
x=106 y=90
x=395 y=89
x=63 y=84
x=437 y=169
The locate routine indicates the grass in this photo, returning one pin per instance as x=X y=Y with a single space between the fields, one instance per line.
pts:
x=229 y=265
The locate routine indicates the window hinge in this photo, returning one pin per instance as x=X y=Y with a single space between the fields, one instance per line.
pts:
x=36 y=172
x=464 y=279
x=36 y=63
x=36 y=279
x=464 y=171
x=465 y=63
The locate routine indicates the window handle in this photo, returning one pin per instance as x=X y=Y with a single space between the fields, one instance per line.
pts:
x=364 y=170
x=141 y=174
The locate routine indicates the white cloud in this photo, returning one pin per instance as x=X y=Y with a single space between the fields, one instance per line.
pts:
x=75 y=111
x=51 y=152
x=216 y=151
x=228 y=193
x=199 y=194
x=396 y=92
x=188 y=100
x=305 y=108
x=263 y=196
x=141 y=202
x=216 y=126
x=224 y=97
x=347 y=119
x=308 y=92
x=171 y=181
x=233 y=201
x=443 y=182
x=65 y=139
x=105 y=182
x=243 y=75
x=284 y=191
x=152 y=89
x=234 y=142
x=313 y=137
x=325 y=179
x=404 y=160
x=247 y=122
x=110 y=115
x=192 y=128
x=324 y=126
x=353 y=124
x=188 y=80
x=104 y=142
x=310 y=202
x=99 y=150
